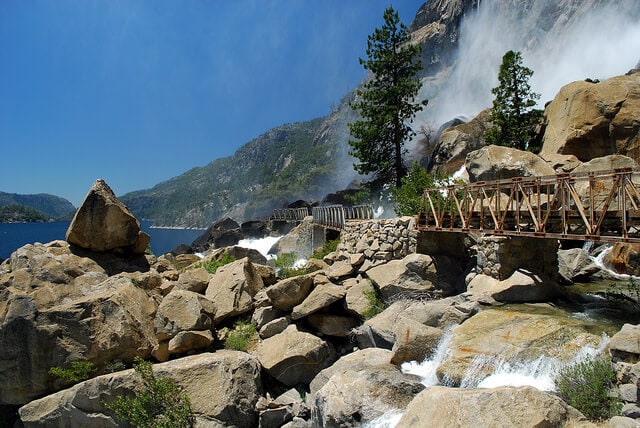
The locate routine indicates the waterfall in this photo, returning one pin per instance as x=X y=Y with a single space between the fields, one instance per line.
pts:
x=598 y=260
x=427 y=369
x=387 y=420
x=263 y=245
x=539 y=373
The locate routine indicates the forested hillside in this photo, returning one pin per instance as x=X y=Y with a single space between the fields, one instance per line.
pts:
x=49 y=206
x=282 y=165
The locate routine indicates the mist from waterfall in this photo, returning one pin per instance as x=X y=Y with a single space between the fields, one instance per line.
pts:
x=586 y=40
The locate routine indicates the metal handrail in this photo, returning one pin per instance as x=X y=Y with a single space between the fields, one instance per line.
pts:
x=335 y=216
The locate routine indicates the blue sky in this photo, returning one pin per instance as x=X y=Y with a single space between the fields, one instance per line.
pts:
x=139 y=91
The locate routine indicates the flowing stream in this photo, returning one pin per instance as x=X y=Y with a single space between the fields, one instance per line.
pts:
x=538 y=373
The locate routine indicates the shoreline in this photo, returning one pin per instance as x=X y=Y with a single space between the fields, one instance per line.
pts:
x=176 y=228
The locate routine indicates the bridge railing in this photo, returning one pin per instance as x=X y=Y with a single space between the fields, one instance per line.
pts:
x=289 y=214
x=334 y=216
x=599 y=206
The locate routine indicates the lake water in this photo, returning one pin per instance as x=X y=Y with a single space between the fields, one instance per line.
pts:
x=15 y=235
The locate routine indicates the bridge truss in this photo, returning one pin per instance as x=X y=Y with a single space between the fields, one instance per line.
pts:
x=596 y=206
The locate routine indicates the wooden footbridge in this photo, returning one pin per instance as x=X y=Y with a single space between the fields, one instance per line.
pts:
x=596 y=206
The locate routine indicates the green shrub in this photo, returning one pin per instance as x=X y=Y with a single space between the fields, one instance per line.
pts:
x=159 y=404
x=376 y=304
x=78 y=371
x=240 y=337
x=212 y=265
x=407 y=199
x=587 y=386
x=284 y=265
x=327 y=248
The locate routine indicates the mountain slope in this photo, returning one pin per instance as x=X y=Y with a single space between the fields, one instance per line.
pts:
x=463 y=42
x=51 y=206
x=284 y=164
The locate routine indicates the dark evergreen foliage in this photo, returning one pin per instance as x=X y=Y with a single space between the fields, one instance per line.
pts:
x=49 y=206
x=512 y=114
x=386 y=102
x=20 y=214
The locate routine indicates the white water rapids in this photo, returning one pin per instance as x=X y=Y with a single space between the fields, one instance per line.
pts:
x=539 y=373
x=263 y=245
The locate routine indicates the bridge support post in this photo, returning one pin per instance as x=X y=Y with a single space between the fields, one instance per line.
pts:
x=500 y=256
x=318 y=237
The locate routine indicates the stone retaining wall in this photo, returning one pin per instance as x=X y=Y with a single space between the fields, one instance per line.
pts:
x=381 y=239
x=500 y=256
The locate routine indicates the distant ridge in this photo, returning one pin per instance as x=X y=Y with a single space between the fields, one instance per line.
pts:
x=51 y=206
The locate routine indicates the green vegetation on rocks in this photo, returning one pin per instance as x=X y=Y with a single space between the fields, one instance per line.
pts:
x=285 y=266
x=327 y=248
x=78 y=371
x=159 y=404
x=408 y=197
x=587 y=386
x=376 y=304
x=212 y=265
x=241 y=336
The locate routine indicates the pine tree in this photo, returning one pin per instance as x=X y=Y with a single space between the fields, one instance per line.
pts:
x=386 y=103
x=512 y=114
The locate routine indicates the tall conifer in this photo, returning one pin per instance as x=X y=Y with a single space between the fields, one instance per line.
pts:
x=387 y=102
x=512 y=114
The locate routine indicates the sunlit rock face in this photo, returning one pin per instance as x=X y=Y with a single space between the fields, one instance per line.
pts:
x=590 y=120
x=103 y=223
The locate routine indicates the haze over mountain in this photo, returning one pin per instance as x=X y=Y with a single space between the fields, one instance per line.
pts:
x=463 y=43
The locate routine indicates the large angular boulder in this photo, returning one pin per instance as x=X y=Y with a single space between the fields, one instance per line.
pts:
x=457 y=141
x=415 y=275
x=505 y=406
x=112 y=321
x=625 y=344
x=389 y=326
x=360 y=390
x=103 y=223
x=286 y=294
x=590 y=120
x=293 y=357
x=623 y=258
x=321 y=297
x=363 y=358
x=195 y=280
x=575 y=265
x=600 y=188
x=183 y=310
x=222 y=233
x=223 y=389
x=498 y=163
x=232 y=289
x=356 y=299
x=521 y=287
x=502 y=335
